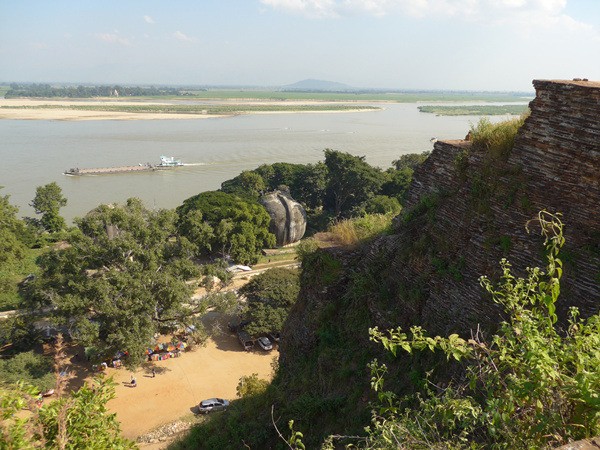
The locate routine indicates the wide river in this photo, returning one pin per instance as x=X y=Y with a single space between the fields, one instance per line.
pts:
x=35 y=152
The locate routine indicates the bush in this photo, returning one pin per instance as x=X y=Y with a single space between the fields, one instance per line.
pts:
x=529 y=386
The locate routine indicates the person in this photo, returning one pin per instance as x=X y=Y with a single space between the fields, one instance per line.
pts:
x=153 y=372
x=133 y=382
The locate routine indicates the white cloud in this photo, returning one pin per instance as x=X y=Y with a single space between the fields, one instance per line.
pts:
x=149 y=19
x=114 y=38
x=540 y=12
x=183 y=37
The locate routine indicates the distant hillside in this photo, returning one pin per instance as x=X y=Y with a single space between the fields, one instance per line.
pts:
x=317 y=85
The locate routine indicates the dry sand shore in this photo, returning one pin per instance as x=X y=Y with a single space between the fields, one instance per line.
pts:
x=77 y=115
x=181 y=383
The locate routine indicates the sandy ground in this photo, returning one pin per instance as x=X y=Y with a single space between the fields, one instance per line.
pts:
x=71 y=115
x=65 y=114
x=181 y=383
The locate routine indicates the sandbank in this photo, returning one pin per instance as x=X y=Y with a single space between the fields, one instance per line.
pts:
x=17 y=109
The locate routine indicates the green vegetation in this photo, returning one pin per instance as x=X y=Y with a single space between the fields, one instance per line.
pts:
x=224 y=224
x=17 y=260
x=122 y=278
x=47 y=201
x=75 y=420
x=474 y=110
x=530 y=385
x=360 y=229
x=399 y=97
x=45 y=90
x=496 y=139
x=270 y=296
x=28 y=367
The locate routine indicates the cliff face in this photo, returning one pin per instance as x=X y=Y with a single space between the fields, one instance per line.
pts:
x=465 y=210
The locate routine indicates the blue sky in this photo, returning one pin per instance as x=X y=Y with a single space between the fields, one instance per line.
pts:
x=404 y=44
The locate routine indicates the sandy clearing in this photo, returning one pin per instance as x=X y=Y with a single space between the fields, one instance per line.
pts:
x=181 y=383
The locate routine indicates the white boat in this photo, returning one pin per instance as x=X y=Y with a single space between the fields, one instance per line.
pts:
x=169 y=161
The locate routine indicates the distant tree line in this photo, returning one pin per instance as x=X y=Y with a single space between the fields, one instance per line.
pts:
x=45 y=90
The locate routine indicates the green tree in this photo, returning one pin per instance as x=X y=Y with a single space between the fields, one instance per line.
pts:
x=247 y=184
x=270 y=296
x=122 y=279
x=410 y=160
x=382 y=204
x=351 y=181
x=29 y=367
x=240 y=227
x=47 y=201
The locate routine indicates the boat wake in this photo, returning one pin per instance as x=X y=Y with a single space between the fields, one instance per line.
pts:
x=194 y=164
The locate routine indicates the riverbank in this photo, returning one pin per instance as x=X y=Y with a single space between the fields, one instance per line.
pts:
x=79 y=110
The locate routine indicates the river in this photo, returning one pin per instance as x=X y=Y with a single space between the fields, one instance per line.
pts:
x=36 y=152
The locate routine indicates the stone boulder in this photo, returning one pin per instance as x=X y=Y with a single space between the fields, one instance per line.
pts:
x=288 y=218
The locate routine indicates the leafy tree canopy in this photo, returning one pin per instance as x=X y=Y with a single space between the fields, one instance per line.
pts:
x=270 y=297
x=228 y=225
x=47 y=201
x=410 y=160
x=121 y=279
x=351 y=181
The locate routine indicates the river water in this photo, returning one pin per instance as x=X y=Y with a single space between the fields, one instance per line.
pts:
x=34 y=152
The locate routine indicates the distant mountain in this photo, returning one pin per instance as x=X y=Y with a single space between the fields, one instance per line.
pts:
x=317 y=85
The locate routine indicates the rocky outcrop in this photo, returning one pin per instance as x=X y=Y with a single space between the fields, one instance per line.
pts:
x=464 y=212
x=288 y=218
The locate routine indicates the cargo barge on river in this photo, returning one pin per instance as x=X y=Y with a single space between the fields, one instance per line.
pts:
x=166 y=162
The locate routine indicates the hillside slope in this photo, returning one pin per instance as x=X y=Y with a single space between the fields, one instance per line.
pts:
x=466 y=209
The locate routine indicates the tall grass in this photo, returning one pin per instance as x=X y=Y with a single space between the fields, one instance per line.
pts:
x=353 y=231
x=497 y=139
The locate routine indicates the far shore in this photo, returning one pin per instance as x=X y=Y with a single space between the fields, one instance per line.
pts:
x=30 y=109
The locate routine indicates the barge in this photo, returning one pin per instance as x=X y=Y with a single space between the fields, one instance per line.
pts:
x=166 y=162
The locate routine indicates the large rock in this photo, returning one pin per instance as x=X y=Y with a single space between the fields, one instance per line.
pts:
x=288 y=218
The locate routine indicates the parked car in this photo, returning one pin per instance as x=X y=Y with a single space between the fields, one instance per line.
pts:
x=265 y=343
x=274 y=336
x=246 y=341
x=212 y=404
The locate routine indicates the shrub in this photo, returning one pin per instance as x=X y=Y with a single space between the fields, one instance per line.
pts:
x=529 y=386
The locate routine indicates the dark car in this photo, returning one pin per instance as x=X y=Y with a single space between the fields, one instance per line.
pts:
x=246 y=341
x=212 y=404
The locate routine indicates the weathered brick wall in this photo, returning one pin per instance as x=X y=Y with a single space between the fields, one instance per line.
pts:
x=472 y=214
x=554 y=165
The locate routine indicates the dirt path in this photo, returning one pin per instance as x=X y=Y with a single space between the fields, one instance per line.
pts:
x=181 y=383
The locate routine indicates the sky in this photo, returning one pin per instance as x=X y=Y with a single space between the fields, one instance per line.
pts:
x=401 y=44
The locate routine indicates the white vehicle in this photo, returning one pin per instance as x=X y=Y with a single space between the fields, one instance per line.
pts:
x=265 y=343
x=212 y=404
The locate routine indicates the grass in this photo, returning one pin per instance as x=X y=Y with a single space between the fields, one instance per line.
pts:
x=474 y=110
x=353 y=231
x=497 y=139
